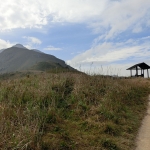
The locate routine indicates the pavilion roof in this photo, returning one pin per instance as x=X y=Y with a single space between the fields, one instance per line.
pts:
x=139 y=66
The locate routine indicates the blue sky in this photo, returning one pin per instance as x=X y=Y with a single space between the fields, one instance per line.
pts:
x=101 y=36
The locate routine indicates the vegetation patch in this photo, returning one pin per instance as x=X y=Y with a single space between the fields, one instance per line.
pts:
x=70 y=111
x=43 y=66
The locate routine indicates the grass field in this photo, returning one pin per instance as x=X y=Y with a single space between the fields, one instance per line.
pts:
x=70 y=111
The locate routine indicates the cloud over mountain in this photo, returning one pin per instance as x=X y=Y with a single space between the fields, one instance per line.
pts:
x=115 y=28
x=5 y=44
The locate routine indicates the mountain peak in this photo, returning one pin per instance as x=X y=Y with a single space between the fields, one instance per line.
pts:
x=19 y=46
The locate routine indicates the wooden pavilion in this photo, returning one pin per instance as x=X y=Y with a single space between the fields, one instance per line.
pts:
x=141 y=66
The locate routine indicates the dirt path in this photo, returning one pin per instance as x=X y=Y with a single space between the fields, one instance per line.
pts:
x=143 y=139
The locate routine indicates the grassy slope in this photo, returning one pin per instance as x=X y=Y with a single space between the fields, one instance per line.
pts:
x=45 y=66
x=71 y=111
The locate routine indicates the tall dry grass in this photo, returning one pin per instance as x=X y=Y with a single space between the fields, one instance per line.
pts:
x=66 y=111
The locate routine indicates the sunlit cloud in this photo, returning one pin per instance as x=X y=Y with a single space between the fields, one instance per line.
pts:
x=52 y=48
x=33 y=40
x=112 y=52
x=5 y=44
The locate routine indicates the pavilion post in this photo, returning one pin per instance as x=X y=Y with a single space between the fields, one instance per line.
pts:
x=136 y=71
x=143 y=72
x=147 y=73
x=131 y=72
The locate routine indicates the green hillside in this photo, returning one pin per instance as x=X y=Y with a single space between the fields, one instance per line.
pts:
x=70 y=111
x=18 y=59
x=43 y=66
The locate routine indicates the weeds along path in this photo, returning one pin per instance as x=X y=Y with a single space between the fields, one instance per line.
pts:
x=143 y=139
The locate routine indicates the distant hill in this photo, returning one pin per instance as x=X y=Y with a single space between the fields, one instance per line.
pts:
x=18 y=58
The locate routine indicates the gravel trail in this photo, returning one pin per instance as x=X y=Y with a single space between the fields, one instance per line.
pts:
x=143 y=139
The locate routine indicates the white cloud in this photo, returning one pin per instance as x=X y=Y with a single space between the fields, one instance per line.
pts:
x=20 y=14
x=112 y=52
x=29 y=46
x=120 y=16
x=5 y=44
x=36 y=13
x=107 y=16
x=137 y=29
x=52 y=48
x=33 y=40
x=116 y=55
x=73 y=53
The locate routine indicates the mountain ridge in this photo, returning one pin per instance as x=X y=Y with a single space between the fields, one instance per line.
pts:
x=18 y=58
